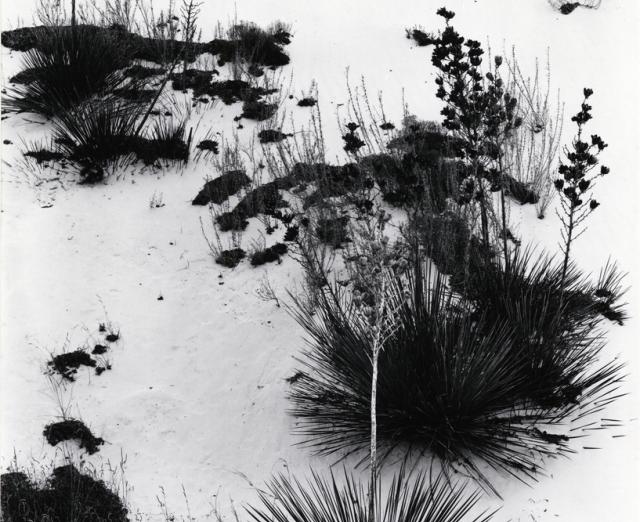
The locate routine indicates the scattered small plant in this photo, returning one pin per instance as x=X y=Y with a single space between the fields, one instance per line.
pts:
x=231 y=258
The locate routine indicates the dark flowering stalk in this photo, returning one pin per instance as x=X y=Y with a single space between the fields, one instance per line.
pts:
x=577 y=178
x=479 y=112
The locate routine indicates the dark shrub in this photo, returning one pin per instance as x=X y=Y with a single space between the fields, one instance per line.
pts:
x=72 y=429
x=195 y=79
x=231 y=258
x=209 y=146
x=451 y=382
x=66 y=496
x=264 y=199
x=255 y=45
x=307 y=102
x=67 y=364
x=417 y=498
x=219 y=189
x=272 y=136
x=65 y=70
x=268 y=255
x=258 y=110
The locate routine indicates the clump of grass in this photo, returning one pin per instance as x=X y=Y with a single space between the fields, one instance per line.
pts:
x=67 y=364
x=72 y=429
x=67 y=68
x=231 y=258
x=67 y=495
x=269 y=255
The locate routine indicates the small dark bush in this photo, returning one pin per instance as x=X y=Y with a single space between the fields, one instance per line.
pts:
x=258 y=110
x=272 y=136
x=232 y=91
x=68 y=495
x=99 y=349
x=198 y=80
x=72 y=430
x=209 y=145
x=255 y=45
x=268 y=255
x=265 y=199
x=231 y=258
x=307 y=102
x=219 y=189
x=67 y=364
x=291 y=233
x=569 y=7
x=417 y=498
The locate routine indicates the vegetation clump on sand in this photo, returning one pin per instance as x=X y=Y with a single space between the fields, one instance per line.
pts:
x=218 y=190
x=68 y=494
x=72 y=429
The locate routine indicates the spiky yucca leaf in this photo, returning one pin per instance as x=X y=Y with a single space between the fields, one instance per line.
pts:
x=408 y=499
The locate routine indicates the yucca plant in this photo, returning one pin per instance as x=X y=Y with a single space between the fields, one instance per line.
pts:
x=66 y=68
x=98 y=130
x=408 y=499
x=452 y=382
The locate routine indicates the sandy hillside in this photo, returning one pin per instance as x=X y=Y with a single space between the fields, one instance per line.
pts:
x=196 y=397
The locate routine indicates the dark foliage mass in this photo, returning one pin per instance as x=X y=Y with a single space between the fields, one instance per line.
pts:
x=409 y=499
x=265 y=199
x=93 y=134
x=72 y=429
x=67 y=364
x=231 y=258
x=307 y=102
x=218 y=190
x=209 y=146
x=258 y=110
x=272 y=136
x=269 y=255
x=470 y=385
x=67 y=495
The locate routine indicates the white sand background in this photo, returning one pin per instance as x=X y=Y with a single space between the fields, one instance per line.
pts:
x=196 y=396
